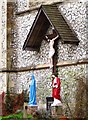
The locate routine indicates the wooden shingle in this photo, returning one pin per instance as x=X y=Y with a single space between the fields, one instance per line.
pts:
x=58 y=21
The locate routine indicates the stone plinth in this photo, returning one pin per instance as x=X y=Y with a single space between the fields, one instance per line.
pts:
x=31 y=109
x=57 y=111
x=25 y=110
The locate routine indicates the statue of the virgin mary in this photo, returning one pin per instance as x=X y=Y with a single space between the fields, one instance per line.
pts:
x=32 y=96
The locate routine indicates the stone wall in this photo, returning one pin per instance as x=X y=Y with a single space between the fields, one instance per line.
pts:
x=73 y=90
x=75 y=14
x=73 y=78
x=3 y=48
x=3 y=34
x=21 y=81
x=27 y=4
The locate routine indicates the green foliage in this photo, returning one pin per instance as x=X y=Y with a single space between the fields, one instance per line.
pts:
x=0 y=117
x=16 y=116
x=29 y=116
x=13 y=102
x=43 y=115
x=9 y=103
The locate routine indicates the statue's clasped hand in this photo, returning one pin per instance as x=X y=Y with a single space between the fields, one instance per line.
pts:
x=55 y=86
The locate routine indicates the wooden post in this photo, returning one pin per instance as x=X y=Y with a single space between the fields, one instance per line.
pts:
x=25 y=110
x=55 y=57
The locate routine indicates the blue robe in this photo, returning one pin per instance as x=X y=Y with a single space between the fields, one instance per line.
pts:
x=32 y=97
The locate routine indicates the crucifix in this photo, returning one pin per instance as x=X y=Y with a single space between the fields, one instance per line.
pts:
x=51 y=38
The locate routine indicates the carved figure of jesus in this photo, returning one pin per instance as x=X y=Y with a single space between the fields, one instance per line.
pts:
x=56 y=90
x=52 y=50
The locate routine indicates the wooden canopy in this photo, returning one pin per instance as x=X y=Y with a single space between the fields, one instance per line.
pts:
x=49 y=15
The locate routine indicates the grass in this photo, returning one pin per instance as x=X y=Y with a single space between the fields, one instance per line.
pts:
x=14 y=116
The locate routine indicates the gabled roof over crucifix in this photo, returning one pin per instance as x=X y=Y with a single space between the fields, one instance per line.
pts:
x=49 y=15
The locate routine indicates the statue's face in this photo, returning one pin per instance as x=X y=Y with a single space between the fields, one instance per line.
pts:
x=53 y=76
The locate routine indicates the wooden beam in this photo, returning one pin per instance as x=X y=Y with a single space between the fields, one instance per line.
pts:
x=55 y=57
x=34 y=8
x=46 y=66
x=28 y=11
x=72 y=62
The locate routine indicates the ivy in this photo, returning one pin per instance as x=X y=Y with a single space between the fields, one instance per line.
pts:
x=9 y=103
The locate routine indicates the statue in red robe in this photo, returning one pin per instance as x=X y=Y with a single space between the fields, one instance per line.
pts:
x=56 y=91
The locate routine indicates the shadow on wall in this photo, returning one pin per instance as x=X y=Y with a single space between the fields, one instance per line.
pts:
x=81 y=99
